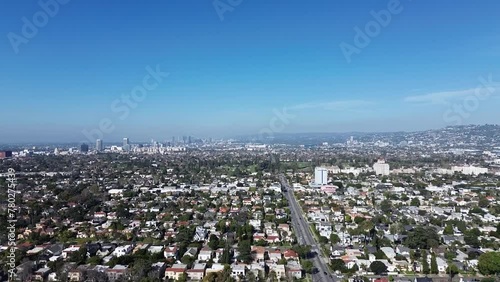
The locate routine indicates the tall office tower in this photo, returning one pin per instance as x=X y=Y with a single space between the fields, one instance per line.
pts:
x=98 y=145
x=5 y=154
x=84 y=148
x=320 y=176
x=126 y=144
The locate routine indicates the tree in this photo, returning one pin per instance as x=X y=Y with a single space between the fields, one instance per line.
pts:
x=489 y=263
x=448 y=230
x=422 y=238
x=272 y=276
x=425 y=264
x=452 y=269
x=188 y=260
x=396 y=228
x=323 y=240
x=359 y=219
x=378 y=267
x=214 y=242
x=434 y=266
x=245 y=251
x=140 y=269
x=471 y=237
x=251 y=277
x=415 y=202
x=338 y=265
x=302 y=250
x=347 y=218
x=308 y=266
x=386 y=206
x=334 y=238
x=483 y=202
x=226 y=256
x=79 y=256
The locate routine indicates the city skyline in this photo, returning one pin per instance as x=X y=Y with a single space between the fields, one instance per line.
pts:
x=214 y=76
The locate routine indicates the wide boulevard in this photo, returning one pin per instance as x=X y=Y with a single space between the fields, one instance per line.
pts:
x=305 y=236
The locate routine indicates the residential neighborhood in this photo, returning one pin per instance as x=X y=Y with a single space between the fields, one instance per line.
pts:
x=230 y=212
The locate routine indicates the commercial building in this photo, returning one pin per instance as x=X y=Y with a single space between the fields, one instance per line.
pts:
x=98 y=145
x=320 y=176
x=5 y=154
x=126 y=144
x=381 y=168
x=470 y=170
x=84 y=148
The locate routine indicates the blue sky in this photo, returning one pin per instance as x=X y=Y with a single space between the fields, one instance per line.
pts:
x=231 y=76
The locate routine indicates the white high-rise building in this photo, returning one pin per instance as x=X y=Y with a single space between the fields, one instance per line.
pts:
x=381 y=168
x=126 y=144
x=98 y=145
x=320 y=176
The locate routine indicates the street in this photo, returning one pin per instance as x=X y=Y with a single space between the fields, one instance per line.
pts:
x=305 y=236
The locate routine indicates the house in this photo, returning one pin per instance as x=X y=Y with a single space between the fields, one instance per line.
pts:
x=259 y=253
x=197 y=272
x=117 y=272
x=291 y=255
x=238 y=270
x=205 y=254
x=279 y=269
x=273 y=238
x=402 y=250
x=92 y=249
x=170 y=252
x=158 y=270
x=122 y=250
x=294 y=269
x=389 y=252
x=191 y=251
x=442 y=264
x=284 y=227
x=274 y=255
x=42 y=274
x=75 y=275
x=218 y=254
x=69 y=250
x=200 y=234
x=176 y=271
x=257 y=269
x=216 y=267
x=155 y=249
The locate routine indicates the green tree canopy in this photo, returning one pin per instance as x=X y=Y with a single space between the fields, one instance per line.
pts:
x=489 y=263
x=378 y=267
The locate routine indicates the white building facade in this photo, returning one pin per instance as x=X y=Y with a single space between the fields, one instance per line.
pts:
x=381 y=168
x=320 y=176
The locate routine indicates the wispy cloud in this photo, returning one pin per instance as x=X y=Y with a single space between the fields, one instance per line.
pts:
x=334 y=105
x=443 y=97
x=439 y=97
